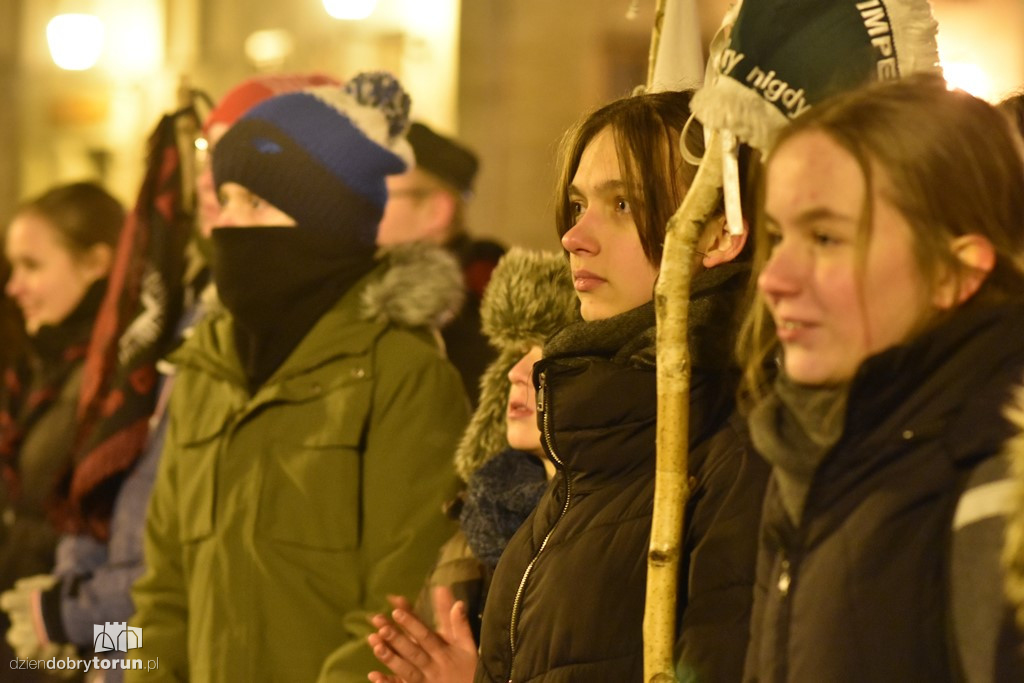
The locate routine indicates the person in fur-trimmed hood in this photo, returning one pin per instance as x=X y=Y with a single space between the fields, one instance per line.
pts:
x=528 y=299
x=311 y=428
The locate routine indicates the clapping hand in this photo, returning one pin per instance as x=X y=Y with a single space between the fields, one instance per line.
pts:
x=417 y=654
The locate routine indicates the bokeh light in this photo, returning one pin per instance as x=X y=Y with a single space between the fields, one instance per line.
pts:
x=350 y=9
x=75 y=40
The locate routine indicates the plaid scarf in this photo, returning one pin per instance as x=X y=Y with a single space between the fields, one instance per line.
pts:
x=135 y=328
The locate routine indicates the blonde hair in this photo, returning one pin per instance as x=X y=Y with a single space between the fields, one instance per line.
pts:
x=953 y=169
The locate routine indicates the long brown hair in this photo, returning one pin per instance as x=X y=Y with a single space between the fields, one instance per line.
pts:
x=953 y=168
x=647 y=130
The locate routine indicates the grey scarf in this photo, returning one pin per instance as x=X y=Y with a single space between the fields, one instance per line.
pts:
x=794 y=428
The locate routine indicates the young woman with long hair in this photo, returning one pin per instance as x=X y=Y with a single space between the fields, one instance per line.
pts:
x=567 y=599
x=891 y=274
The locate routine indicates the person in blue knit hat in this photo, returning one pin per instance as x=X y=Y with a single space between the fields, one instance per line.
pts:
x=311 y=426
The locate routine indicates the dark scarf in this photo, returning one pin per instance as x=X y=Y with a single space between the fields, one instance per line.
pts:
x=277 y=282
x=626 y=337
x=12 y=330
x=499 y=497
x=630 y=336
x=793 y=428
x=34 y=383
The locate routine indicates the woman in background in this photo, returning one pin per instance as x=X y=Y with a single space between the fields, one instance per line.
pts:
x=59 y=246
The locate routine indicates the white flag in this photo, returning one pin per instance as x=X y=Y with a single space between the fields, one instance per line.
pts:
x=680 y=58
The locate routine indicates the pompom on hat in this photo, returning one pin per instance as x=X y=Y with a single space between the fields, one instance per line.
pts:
x=252 y=91
x=321 y=154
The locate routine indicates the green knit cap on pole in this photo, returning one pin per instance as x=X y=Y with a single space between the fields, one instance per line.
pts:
x=772 y=60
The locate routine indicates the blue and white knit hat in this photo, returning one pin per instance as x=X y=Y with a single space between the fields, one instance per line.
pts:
x=321 y=154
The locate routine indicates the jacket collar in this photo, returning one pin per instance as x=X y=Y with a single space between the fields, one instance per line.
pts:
x=963 y=366
x=601 y=416
x=339 y=332
x=416 y=286
x=604 y=393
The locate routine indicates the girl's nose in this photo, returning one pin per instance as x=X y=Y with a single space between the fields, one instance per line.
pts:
x=521 y=371
x=780 y=276
x=13 y=285
x=580 y=237
x=226 y=217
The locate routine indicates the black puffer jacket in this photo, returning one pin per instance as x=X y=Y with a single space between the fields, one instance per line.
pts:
x=858 y=592
x=567 y=598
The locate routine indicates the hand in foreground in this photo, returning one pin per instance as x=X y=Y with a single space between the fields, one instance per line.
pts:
x=26 y=636
x=415 y=653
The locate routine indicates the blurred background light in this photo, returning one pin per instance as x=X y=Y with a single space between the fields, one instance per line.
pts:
x=970 y=78
x=980 y=45
x=75 y=40
x=269 y=48
x=350 y=9
x=136 y=32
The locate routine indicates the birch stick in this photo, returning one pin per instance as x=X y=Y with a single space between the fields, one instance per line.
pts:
x=671 y=482
x=186 y=129
x=652 y=56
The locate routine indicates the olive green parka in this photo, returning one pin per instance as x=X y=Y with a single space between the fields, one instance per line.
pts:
x=280 y=520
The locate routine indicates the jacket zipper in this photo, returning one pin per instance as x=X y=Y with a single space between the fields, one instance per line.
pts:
x=792 y=552
x=517 y=603
x=793 y=549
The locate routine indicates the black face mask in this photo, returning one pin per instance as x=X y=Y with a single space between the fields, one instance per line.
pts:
x=277 y=282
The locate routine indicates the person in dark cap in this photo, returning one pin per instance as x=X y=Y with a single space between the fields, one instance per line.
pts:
x=427 y=203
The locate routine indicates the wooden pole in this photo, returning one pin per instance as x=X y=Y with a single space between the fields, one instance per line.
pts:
x=671 y=482
x=187 y=128
x=652 y=56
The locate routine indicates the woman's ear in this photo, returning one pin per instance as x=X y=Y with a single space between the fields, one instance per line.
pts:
x=96 y=261
x=721 y=246
x=977 y=258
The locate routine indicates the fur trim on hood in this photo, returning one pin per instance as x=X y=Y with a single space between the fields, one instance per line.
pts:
x=1013 y=552
x=422 y=287
x=529 y=298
